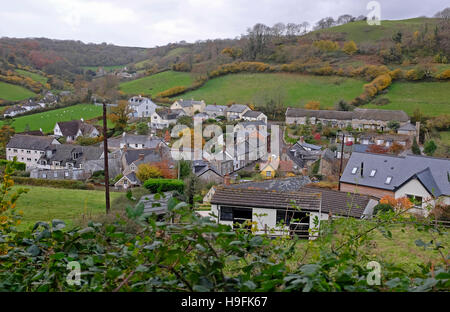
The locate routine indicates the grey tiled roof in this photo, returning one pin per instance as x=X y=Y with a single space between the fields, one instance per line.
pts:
x=237 y=108
x=340 y=203
x=252 y=114
x=189 y=103
x=30 y=142
x=281 y=185
x=407 y=127
x=358 y=113
x=265 y=199
x=432 y=172
x=215 y=108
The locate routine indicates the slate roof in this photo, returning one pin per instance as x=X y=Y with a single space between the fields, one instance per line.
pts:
x=253 y=123
x=150 y=155
x=64 y=154
x=30 y=142
x=149 y=142
x=280 y=185
x=252 y=114
x=215 y=108
x=340 y=203
x=189 y=103
x=237 y=108
x=380 y=114
x=407 y=127
x=358 y=113
x=70 y=128
x=432 y=172
x=169 y=114
x=265 y=199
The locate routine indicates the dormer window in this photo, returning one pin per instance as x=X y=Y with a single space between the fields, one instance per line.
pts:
x=373 y=173
x=388 y=180
x=354 y=170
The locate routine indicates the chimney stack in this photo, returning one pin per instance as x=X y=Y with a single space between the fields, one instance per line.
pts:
x=141 y=157
x=227 y=179
x=302 y=139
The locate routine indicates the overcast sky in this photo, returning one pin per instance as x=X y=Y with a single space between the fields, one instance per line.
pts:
x=147 y=23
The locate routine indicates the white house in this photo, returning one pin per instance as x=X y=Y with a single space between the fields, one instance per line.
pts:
x=28 y=148
x=236 y=111
x=254 y=116
x=425 y=180
x=73 y=129
x=284 y=206
x=163 y=118
x=142 y=106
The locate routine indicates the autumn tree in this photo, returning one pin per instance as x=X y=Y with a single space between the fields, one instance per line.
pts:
x=6 y=132
x=120 y=115
x=377 y=149
x=314 y=105
x=147 y=171
x=350 y=47
x=396 y=148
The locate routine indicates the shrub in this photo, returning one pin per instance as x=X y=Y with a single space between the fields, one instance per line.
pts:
x=67 y=184
x=19 y=166
x=164 y=185
x=383 y=208
x=171 y=92
x=147 y=171
x=350 y=47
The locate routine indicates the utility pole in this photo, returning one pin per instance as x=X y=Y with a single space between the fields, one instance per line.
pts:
x=342 y=160
x=105 y=153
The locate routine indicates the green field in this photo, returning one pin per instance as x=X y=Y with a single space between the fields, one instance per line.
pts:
x=34 y=76
x=46 y=204
x=157 y=83
x=433 y=98
x=298 y=89
x=10 y=92
x=363 y=32
x=47 y=120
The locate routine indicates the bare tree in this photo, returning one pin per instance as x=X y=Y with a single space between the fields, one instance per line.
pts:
x=344 y=19
x=445 y=14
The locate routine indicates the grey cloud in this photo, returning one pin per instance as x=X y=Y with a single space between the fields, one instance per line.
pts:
x=147 y=23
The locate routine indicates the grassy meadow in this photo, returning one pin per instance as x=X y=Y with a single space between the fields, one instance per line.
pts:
x=46 y=204
x=47 y=120
x=363 y=32
x=154 y=84
x=433 y=98
x=34 y=76
x=10 y=92
x=297 y=89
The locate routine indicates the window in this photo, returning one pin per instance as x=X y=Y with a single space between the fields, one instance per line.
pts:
x=388 y=180
x=354 y=170
x=373 y=172
x=66 y=174
x=416 y=200
x=15 y=151
x=268 y=173
x=44 y=175
x=55 y=174
x=226 y=214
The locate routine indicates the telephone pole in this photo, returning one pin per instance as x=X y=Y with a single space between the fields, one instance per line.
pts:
x=105 y=153
x=342 y=160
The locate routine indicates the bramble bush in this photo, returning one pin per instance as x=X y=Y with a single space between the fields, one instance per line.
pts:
x=193 y=253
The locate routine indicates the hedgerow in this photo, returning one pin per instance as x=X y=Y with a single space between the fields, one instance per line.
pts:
x=164 y=185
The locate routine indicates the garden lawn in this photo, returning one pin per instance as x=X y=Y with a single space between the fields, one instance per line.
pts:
x=46 y=204
x=433 y=98
x=34 y=76
x=47 y=120
x=153 y=84
x=298 y=89
x=10 y=92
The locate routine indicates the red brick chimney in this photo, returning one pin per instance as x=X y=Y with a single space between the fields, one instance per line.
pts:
x=141 y=156
x=227 y=179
